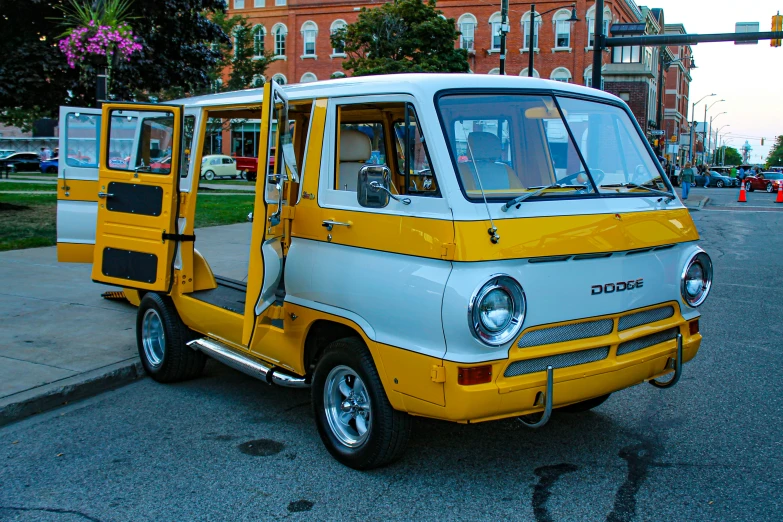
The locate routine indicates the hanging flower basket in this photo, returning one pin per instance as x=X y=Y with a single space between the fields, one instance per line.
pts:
x=99 y=41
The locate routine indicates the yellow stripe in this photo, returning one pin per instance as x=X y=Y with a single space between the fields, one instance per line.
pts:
x=74 y=252
x=78 y=190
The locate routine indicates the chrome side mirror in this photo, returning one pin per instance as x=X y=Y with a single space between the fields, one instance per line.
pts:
x=372 y=187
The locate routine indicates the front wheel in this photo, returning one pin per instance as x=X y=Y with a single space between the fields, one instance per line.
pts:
x=355 y=420
x=719 y=183
x=749 y=186
x=209 y=175
x=769 y=188
x=161 y=338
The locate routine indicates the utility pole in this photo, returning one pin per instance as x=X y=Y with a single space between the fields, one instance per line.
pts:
x=661 y=69
x=598 y=43
x=532 y=33
x=503 y=31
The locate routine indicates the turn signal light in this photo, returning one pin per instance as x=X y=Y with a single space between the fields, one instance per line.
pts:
x=474 y=375
x=693 y=327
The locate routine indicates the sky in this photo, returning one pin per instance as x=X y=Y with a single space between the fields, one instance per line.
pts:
x=748 y=77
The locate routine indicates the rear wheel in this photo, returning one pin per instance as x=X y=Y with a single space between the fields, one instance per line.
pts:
x=719 y=183
x=250 y=176
x=587 y=405
x=161 y=338
x=769 y=187
x=209 y=175
x=51 y=170
x=749 y=186
x=354 y=417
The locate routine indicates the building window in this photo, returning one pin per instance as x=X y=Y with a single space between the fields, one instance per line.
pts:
x=239 y=4
x=589 y=77
x=258 y=81
x=336 y=26
x=523 y=72
x=467 y=26
x=561 y=74
x=280 y=2
x=527 y=32
x=258 y=3
x=258 y=40
x=562 y=29
x=309 y=32
x=279 y=79
x=308 y=77
x=625 y=96
x=591 y=24
x=494 y=71
x=281 y=32
x=627 y=54
x=494 y=23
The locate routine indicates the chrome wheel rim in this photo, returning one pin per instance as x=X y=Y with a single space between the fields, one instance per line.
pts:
x=347 y=406
x=153 y=338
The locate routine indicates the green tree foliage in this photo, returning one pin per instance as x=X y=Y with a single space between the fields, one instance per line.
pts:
x=177 y=37
x=775 y=158
x=728 y=155
x=247 y=67
x=401 y=36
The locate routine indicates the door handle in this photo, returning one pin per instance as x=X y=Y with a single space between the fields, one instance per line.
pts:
x=329 y=224
x=105 y=195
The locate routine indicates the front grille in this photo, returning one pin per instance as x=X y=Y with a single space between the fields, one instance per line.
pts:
x=568 y=332
x=563 y=360
x=645 y=317
x=641 y=343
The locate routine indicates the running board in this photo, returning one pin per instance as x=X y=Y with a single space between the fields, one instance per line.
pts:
x=229 y=357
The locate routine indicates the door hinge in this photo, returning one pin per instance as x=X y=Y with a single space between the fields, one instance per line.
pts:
x=178 y=237
x=438 y=374
x=288 y=212
x=275 y=313
x=447 y=251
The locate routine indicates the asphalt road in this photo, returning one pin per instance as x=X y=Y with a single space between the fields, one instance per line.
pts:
x=225 y=447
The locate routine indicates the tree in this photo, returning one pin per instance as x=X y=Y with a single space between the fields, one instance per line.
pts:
x=775 y=158
x=401 y=36
x=247 y=67
x=727 y=156
x=35 y=79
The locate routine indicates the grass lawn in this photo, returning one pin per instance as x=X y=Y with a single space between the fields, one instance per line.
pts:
x=29 y=220
x=10 y=185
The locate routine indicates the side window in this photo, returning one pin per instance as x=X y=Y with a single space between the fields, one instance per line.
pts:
x=413 y=160
x=228 y=161
x=189 y=129
x=214 y=161
x=360 y=143
x=139 y=140
x=81 y=140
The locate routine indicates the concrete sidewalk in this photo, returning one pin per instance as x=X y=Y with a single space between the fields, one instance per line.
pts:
x=60 y=341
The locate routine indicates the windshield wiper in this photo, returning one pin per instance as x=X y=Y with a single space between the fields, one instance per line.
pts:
x=519 y=199
x=668 y=196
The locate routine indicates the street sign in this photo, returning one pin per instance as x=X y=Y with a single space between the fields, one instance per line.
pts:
x=656 y=132
x=747 y=27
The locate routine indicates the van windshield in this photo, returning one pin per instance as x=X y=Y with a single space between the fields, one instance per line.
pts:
x=511 y=144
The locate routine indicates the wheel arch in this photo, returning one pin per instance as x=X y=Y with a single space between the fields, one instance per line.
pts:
x=320 y=334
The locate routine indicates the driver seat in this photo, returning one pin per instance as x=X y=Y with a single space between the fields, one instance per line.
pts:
x=487 y=154
x=355 y=151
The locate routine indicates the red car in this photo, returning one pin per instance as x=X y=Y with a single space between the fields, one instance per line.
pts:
x=769 y=181
x=249 y=165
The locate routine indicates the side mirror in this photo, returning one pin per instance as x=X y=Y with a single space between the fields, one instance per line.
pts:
x=372 y=188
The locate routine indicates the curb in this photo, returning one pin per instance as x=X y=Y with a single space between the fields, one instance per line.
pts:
x=56 y=394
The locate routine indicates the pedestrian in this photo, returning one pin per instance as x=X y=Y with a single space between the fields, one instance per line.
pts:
x=742 y=173
x=687 y=176
x=733 y=173
x=44 y=154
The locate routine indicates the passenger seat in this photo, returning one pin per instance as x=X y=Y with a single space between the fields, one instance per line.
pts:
x=355 y=150
x=487 y=154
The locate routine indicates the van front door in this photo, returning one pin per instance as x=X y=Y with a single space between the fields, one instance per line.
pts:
x=265 y=269
x=138 y=192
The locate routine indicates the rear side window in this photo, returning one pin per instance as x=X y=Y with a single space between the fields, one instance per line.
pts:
x=81 y=140
x=139 y=138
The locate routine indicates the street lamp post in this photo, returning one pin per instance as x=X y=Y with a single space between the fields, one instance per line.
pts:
x=704 y=140
x=718 y=149
x=709 y=134
x=532 y=22
x=693 y=126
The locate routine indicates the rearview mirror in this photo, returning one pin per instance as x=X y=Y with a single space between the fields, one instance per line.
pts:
x=372 y=188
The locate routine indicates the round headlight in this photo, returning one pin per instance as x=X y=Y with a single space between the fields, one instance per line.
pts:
x=697 y=278
x=497 y=310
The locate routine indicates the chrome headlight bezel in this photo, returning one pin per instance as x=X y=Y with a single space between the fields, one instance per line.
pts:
x=700 y=257
x=510 y=286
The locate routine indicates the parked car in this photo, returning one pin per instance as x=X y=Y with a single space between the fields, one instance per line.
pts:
x=50 y=166
x=21 y=161
x=6 y=153
x=248 y=165
x=768 y=181
x=713 y=179
x=218 y=166
x=726 y=172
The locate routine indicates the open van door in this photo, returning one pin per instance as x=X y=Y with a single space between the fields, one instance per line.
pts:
x=138 y=195
x=265 y=269
x=77 y=183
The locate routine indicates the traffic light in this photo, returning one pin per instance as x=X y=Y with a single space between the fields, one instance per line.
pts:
x=655 y=142
x=762 y=142
x=777 y=25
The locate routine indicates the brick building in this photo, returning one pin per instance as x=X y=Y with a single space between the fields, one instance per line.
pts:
x=677 y=97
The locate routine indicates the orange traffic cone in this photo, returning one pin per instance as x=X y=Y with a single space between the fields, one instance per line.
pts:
x=742 y=197
x=780 y=193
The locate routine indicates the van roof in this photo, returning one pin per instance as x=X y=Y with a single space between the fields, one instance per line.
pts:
x=423 y=85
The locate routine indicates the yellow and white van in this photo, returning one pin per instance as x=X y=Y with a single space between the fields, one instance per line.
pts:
x=460 y=247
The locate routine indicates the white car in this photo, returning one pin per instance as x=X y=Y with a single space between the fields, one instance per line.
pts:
x=218 y=166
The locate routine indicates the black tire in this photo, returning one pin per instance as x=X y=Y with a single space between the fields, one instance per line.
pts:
x=583 y=406
x=51 y=170
x=209 y=175
x=719 y=183
x=178 y=362
x=769 y=188
x=388 y=430
x=251 y=176
x=749 y=186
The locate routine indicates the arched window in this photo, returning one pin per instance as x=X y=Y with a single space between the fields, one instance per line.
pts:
x=258 y=40
x=308 y=77
x=561 y=74
x=280 y=32
x=494 y=24
x=523 y=72
x=589 y=76
x=258 y=80
x=494 y=71
x=240 y=34
x=562 y=29
x=467 y=26
x=527 y=32
x=336 y=26
x=280 y=79
x=217 y=85
x=309 y=32
x=338 y=74
x=591 y=24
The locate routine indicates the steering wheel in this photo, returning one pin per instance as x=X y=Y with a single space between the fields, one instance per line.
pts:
x=572 y=179
x=640 y=175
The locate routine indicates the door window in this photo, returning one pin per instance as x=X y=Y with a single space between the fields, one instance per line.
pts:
x=81 y=139
x=139 y=140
